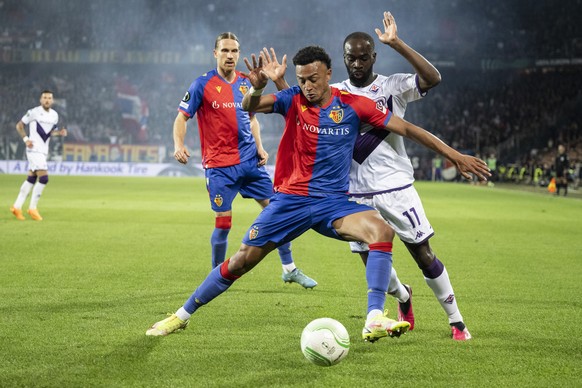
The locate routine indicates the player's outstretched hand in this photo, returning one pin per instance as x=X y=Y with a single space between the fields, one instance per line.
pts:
x=468 y=165
x=274 y=70
x=256 y=74
x=390 y=34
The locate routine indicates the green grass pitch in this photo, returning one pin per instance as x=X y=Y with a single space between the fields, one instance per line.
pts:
x=114 y=255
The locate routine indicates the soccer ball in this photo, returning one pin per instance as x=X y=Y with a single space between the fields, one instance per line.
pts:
x=325 y=342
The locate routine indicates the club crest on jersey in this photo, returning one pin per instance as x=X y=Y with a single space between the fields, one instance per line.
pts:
x=243 y=88
x=254 y=232
x=336 y=115
x=374 y=88
x=218 y=200
x=219 y=88
x=380 y=106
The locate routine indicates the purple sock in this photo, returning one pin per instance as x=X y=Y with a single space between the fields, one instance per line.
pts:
x=434 y=270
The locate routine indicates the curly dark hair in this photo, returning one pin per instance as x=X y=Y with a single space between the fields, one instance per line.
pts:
x=311 y=54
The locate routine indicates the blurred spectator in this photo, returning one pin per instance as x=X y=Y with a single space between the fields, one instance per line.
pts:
x=561 y=168
x=478 y=108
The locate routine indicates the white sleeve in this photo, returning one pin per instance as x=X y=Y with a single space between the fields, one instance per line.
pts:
x=28 y=117
x=404 y=86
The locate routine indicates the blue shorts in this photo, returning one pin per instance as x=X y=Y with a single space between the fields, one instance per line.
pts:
x=289 y=216
x=224 y=183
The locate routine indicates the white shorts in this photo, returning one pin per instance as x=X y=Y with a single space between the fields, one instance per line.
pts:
x=404 y=212
x=36 y=161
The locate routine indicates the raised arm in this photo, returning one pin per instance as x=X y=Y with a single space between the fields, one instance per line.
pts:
x=253 y=100
x=428 y=75
x=466 y=164
x=275 y=70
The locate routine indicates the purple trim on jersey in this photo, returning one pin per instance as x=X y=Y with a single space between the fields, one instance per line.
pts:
x=367 y=143
x=380 y=192
x=389 y=104
x=42 y=133
x=420 y=90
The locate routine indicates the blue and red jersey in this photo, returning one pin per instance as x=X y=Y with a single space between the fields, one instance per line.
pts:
x=224 y=128
x=316 y=148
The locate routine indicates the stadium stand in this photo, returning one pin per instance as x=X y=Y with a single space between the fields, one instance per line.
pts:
x=510 y=87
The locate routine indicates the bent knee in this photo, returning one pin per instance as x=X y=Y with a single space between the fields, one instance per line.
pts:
x=247 y=257
x=382 y=232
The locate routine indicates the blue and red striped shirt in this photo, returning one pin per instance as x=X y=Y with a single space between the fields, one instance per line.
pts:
x=316 y=149
x=224 y=127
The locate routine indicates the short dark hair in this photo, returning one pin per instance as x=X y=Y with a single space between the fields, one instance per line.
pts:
x=46 y=91
x=225 y=35
x=360 y=35
x=311 y=54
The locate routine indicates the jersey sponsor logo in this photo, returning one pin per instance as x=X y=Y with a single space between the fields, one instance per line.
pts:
x=450 y=299
x=218 y=200
x=219 y=88
x=186 y=97
x=254 y=232
x=374 y=88
x=336 y=114
x=303 y=108
x=342 y=131
x=226 y=105
x=243 y=88
x=184 y=105
x=419 y=234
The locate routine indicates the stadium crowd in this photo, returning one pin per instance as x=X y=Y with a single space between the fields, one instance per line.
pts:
x=464 y=28
x=519 y=114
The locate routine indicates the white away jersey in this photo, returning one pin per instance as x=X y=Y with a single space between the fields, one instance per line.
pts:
x=40 y=125
x=380 y=162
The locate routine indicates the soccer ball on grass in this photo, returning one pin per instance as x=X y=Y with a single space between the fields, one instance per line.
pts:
x=325 y=342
